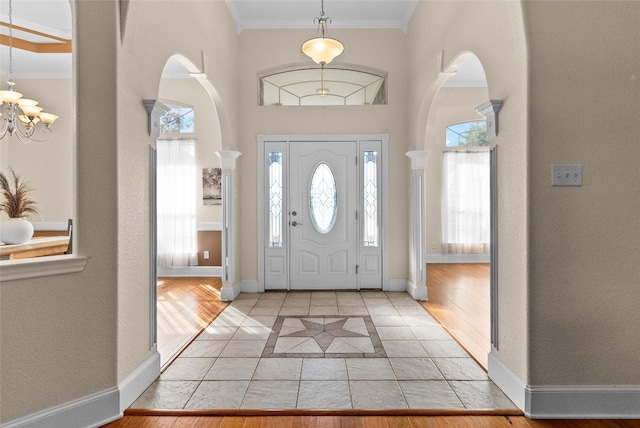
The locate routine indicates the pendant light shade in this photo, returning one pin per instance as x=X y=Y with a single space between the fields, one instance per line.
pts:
x=322 y=50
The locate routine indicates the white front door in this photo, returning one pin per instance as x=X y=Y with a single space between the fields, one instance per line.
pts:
x=323 y=204
x=323 y=213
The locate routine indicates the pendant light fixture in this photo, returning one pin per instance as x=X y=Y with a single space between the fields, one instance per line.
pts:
x=24 y=125
x=322 y=50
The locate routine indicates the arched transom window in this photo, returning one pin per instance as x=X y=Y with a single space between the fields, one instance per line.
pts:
x=322 y=86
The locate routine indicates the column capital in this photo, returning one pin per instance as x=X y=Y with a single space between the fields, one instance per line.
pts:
x=418 y=158
x=228 y=158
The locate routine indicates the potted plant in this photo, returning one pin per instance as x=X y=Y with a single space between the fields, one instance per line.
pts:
x=18 y=204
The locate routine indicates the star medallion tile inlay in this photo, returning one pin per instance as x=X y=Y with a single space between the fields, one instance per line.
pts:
x=324 y=336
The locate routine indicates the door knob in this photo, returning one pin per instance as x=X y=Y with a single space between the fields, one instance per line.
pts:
x=295 y=223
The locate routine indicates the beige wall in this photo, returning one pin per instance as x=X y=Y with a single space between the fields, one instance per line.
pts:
x=585 y=242
x=494 y=32
x=383 y=50
x=450 y=106
x=48 y=166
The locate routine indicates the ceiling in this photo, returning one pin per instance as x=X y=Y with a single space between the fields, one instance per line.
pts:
x=54 y=17
x=300 y=13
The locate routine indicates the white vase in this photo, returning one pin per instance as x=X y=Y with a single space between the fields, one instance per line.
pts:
x=15 y=231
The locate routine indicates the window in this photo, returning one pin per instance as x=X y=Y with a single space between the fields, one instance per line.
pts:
x=176 y=200
x=466 y=202
x=467 y=134
x=323 y=198
x=178 y=120
x=322 y=86
x=370 y=192
x=275 y=199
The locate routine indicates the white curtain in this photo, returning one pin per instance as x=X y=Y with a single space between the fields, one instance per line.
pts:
x=176 y=199
x=465 y=202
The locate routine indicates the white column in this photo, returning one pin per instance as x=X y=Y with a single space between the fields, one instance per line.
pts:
x=417 y=286
x=230 y=289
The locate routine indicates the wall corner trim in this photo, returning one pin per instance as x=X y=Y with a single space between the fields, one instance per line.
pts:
x=417 y=291
x=507 y=381
x=230 y=291
x=139 y=380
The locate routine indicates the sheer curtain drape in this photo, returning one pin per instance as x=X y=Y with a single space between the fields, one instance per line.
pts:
x=176 y=199
x=465 y=202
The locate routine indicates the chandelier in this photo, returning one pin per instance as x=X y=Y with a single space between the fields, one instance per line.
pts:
x=20 y=117
x=322 y=50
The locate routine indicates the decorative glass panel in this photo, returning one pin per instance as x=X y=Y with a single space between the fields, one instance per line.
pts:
x=370 y=180
x=275 y=199
x=323 y=198
x=323 y=86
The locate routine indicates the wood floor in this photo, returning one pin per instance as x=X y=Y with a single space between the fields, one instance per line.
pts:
x=458 y=296
x=361 y=421
x=186 y=306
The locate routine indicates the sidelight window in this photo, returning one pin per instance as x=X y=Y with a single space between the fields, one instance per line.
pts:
x=370 y=179
x=275 y=199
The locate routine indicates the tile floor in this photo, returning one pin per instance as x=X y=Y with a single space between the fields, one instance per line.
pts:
x=324 y=350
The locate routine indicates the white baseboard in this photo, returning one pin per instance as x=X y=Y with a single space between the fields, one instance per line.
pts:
x=566 y=402
x=229 y=291
x=507 y=381
x=139 y=380
x=205 y=226
x=418 y=292
x=98 y=409
x=93 y=410
x=457 y=258
x=397 y=284
x=249 y=286
x=212 y=271
x=583 y=402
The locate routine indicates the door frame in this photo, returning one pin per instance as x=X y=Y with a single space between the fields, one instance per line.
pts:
x=262 y=197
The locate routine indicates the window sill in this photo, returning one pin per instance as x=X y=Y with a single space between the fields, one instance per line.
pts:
x=41 y=266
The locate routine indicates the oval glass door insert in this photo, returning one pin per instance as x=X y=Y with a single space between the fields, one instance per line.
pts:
x=323 y=198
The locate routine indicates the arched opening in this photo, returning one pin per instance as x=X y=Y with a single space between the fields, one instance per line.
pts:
x=457 y=201
x=188 y=210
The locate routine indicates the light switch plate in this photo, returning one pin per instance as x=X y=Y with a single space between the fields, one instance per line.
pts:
x=566 y=175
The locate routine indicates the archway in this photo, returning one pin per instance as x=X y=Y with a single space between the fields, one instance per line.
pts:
x=458 y=268
x=189 y=263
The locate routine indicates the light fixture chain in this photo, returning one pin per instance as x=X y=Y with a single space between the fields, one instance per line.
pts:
x=10 y=40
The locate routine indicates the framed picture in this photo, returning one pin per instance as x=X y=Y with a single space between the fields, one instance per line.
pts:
x=212 y=186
